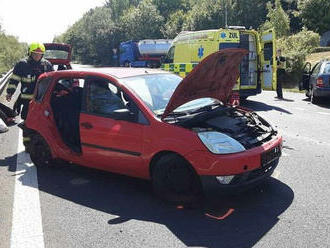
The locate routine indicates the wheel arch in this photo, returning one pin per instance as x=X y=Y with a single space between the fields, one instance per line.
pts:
x=160 y=154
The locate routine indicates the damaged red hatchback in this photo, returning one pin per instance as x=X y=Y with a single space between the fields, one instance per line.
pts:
x=152 y=124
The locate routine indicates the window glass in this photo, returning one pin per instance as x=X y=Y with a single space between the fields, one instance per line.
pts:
x=326 y=68
x=42 y=88
x=268 y=51
x=102 y=98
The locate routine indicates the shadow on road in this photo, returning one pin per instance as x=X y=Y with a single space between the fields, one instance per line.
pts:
x=260 y=106
x=324 y=103
x=222 y=220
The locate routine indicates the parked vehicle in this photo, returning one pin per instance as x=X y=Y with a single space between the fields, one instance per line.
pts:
x=143 y=53
x=151 y=124
x=316 y=81
x=257 y=70
x=59 y=54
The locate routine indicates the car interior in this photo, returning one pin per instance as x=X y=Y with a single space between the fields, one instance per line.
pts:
x=66 y=105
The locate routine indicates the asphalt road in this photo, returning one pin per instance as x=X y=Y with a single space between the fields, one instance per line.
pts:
x=81 y=207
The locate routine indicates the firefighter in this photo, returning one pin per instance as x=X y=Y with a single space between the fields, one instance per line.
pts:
x=27 y=71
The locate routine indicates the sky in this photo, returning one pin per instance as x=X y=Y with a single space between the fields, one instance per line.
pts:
x=41 y=20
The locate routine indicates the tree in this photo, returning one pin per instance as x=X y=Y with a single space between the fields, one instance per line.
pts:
x=174 y=24
x=10 y=51
x=168 y=7
x=142 y=22
x=315 y=14
x=277 y=19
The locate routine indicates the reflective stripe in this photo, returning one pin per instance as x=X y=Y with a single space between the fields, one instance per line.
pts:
x=27 y=96
x=28 y=80
x=11 y=86
x=15 y=77
x=26 y=139
x=180 y=69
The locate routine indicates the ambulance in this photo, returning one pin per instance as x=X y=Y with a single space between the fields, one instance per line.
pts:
x=257 y=70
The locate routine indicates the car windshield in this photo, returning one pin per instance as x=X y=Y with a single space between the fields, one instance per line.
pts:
x=56 y=54
x=156 y=90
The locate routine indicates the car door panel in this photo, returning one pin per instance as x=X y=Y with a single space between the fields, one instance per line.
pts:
x=107 y=142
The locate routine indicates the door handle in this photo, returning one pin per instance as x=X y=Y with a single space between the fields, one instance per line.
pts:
x=86 y=125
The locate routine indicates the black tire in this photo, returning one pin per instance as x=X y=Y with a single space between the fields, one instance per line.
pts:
x=175 y=181
x=39 y=151
x=314 y=99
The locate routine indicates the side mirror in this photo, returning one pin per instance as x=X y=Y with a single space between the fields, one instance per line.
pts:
x=123 y=114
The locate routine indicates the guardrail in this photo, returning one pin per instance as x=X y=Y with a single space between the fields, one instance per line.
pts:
x=4 y=81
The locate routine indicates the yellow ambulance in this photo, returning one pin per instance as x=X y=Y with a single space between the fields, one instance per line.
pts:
x=257 y=70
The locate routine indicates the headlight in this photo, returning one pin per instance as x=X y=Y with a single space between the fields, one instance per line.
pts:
x=220 y=143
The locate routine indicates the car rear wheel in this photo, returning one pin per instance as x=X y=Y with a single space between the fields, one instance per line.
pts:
x=175 y=181
x=314 y=99
x=39 y=151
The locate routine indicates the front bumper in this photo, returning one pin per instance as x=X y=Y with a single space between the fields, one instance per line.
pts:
x=242 y=181
x=208 y=164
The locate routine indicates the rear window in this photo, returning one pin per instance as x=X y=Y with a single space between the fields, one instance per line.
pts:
x=326 y=68
x=42 y=88
x=56 y=54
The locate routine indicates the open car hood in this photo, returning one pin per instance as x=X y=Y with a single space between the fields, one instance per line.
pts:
x=213 y=77
x=58 y=53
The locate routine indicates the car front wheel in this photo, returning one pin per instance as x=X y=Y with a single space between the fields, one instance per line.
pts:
x=39 y=151
x=175 y=181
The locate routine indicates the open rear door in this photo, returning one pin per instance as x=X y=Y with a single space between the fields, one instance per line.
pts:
x=268 y=60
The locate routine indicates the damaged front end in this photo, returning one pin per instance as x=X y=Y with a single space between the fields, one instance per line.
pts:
x=246 y=127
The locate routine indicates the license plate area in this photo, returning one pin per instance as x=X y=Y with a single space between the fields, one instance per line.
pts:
x=270 y=156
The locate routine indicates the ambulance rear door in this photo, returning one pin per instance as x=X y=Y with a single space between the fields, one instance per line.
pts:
x=268 y=60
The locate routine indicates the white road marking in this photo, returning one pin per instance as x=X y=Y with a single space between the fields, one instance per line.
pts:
x=299 y=108
x=323 y=113
x=27 y=224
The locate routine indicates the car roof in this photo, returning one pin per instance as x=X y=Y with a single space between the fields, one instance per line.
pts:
x=121 y=72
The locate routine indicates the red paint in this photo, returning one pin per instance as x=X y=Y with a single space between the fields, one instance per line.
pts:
x=229 y=212
x=145 y=140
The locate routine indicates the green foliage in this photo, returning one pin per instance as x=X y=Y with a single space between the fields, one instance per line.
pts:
x=174 y=25
x=315 y=14
x=277 y=19
x=296 y=48
x=92 y=37
x=100 y=30
x=141 y=22
x=10 y=51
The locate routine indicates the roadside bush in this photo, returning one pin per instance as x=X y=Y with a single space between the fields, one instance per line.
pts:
x=296 y=47
x=10 y=51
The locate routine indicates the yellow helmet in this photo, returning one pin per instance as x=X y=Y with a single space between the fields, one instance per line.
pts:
x=36 y=47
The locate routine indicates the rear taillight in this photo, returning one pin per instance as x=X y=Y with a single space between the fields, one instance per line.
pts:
x=319 y=82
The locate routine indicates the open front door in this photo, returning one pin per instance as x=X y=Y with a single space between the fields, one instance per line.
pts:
x=268 y=60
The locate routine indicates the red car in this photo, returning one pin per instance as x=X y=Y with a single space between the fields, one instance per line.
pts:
x=151 y=124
